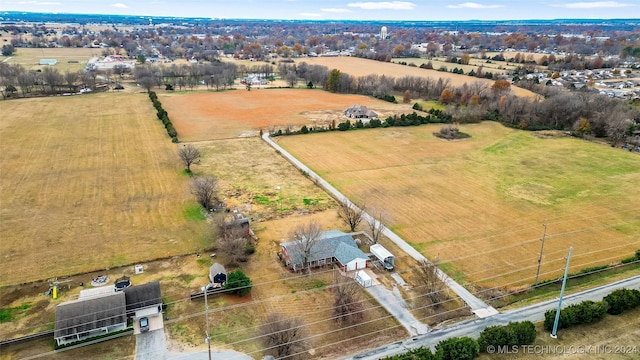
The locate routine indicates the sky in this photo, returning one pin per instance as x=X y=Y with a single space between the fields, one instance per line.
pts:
x=340 y=9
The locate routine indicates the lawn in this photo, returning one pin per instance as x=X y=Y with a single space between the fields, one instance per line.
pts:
x=210 y=115
x=478 y=205
x=86 y=183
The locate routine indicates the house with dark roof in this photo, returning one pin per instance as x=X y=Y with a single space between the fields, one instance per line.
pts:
x=82 y=319
x=145 y=301
x=332 y=247
x=359 y=112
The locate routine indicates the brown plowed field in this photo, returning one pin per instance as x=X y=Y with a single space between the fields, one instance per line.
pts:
x=238 y=113
x=361 y=67
x=88 y=182
x=478 y=205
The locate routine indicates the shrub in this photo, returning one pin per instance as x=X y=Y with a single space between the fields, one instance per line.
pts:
x=304 y=129
x=457 y=348
x=344 y=126
x=375 y=123
x=249 y=249
x=586 y=312
x=514 y=333
x=417 y=106
x=621 y=300
x=421 y=353
x=238 y=283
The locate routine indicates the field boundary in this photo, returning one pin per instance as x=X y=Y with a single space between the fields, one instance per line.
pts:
x=478 y=307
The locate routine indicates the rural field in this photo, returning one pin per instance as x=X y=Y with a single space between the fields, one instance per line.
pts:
x=361 y=67
x=477 y=206
x=240 y=113
x=69 y=59
x=89 y=182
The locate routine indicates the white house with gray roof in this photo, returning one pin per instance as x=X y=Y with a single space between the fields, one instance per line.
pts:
x=332 y=247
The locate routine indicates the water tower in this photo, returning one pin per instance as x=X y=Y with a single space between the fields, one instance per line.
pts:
x=383 y=33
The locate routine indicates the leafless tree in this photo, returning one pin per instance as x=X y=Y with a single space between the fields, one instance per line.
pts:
x=205 y=189
x=283 y=337
x=617 y=129
x=347 y=307
x=305 y=237
x=189 y=154
x=427 y=273
x=351 y=214
x=376 y=224
x=232 y=243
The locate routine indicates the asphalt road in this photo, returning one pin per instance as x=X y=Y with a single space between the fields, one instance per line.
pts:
x=472 y=328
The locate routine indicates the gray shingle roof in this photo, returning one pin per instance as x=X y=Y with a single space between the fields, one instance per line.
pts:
x=331 y=244
x=80 y=316
x=142 y=296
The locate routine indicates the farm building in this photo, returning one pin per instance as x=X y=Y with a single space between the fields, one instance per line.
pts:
x=81 y=319
x=217 y=274
x=359 y=112
x=49 y=62
x=332 y=247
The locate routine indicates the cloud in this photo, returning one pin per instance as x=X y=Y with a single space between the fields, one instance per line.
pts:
x=383 y=5
x=310 y=15
x=472 y=5
x=120 y=5
x=336 y=10
x=593 y=5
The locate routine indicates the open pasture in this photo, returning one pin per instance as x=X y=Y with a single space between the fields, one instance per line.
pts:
x=240 y=113
x=478 y=205
x=89 y=182
x=361 y=67
x=69 y=59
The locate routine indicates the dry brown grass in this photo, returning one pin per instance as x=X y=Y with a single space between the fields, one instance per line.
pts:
x=361 y=67
x=30 y=58
x=228 y=114
x=620 y=332
x=89 y=182
x=478 y=205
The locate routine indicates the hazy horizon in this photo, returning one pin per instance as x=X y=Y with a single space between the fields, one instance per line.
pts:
x=338 y=9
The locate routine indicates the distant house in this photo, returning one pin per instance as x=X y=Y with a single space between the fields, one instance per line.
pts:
x=332 y=247
x=49 y=62
x=217 y=274
x=359 y=112
x=81 y=319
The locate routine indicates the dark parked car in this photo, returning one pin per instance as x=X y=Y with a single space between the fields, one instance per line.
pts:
x=144 y=324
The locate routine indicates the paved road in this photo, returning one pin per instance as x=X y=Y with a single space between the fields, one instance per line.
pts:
x=473 y=327
x=477 y=306
x=392 y=301
x=216 y=355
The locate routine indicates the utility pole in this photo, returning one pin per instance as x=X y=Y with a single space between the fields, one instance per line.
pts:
x=564 y=282
x=206 y=312
x=544 y=235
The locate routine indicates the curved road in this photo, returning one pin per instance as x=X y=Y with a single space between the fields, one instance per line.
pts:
x=479 y=307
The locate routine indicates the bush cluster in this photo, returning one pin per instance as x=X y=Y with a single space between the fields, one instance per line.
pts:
x=622 y=300
x=389 y=98
x=514 y=333
x=631 y=259
x=455 y=348
x=163 y=116
x=586 y=312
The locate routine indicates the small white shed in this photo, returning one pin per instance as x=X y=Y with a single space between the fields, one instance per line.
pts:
x=363 y=278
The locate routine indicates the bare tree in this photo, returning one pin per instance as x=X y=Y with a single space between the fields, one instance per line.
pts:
x=376 y=224
x=283 y=337
x=351 y=214
x=347 y=307
x=427 y=273
x=205 y=188
x=232 y=242
x=305 y=237
x=189 y=154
